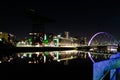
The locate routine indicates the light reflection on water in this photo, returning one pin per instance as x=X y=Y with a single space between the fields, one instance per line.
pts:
x=54 y=56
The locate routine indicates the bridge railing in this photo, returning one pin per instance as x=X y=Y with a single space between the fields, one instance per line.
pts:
x=102 y=68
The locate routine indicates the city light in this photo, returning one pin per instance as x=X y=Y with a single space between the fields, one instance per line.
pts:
x=0 y=39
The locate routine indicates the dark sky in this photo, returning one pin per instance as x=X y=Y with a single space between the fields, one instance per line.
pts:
x=79 y=18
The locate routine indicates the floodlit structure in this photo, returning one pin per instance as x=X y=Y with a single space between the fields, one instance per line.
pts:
x=66 y=41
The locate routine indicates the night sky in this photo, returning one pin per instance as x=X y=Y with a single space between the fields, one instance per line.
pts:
x=79 y=18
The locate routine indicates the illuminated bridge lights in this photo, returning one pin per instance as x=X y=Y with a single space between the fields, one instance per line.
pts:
x=102 y=44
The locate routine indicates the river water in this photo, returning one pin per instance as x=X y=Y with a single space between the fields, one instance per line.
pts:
x=76 y=65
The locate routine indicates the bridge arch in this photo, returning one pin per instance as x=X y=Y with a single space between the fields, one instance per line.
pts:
x=98 y=33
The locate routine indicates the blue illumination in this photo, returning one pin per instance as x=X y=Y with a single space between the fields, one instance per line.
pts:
x=112 y=65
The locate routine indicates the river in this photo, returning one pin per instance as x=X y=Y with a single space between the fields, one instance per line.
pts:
x=70 y=64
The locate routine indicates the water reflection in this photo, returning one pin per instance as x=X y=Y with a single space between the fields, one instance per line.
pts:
x=52 y=57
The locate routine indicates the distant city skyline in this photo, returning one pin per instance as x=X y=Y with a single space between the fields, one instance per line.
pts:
x=79 y=18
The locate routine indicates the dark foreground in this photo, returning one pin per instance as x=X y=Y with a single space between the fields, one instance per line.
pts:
x=77 y=69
